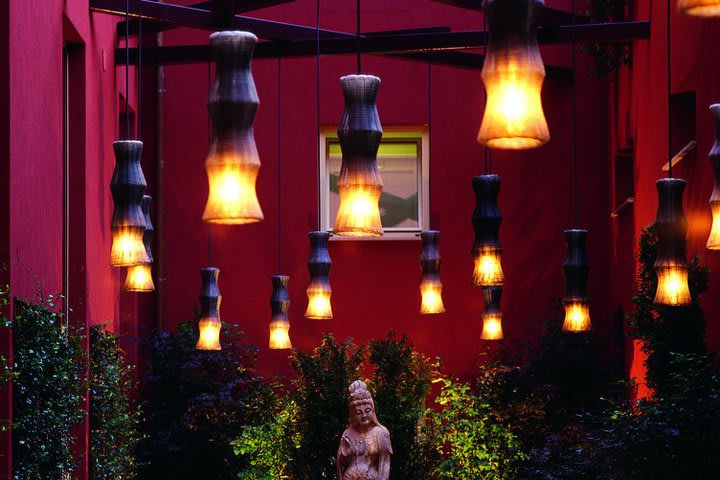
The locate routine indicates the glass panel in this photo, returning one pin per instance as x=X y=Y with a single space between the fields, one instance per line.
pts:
x=398 y=165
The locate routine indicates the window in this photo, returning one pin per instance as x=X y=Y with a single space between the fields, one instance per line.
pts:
x=403 y=165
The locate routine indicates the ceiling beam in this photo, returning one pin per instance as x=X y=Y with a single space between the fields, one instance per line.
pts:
x=550 y=16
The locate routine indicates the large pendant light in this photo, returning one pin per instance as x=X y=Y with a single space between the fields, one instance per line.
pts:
x=139 y=277
x=699 y=8
x=513 y=74
x=486 y=219
x=492 y=314
x=671 y=229
x=128 y=224
x=209 y=323
x=576 y=269
x=713 y=242
x=232 y=162
x=319 y=292
x=430 y=284
x=279 y=306
x=359 y=183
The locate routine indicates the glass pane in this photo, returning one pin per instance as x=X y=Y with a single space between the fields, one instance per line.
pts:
x=398 y=165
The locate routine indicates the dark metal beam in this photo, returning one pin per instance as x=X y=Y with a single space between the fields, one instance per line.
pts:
x=550 y=16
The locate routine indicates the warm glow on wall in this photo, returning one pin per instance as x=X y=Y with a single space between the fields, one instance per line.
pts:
x=699 y=8
x=279 y=306
x=713 y=242
x=577 y=316
x=486 y=219
x=359 y=183
x=430 y=284
x=513 y=74
x=209 y=324
x=671 y=228
x=492 y=314
x=232 y=163
x=139 y=278
x=319 y=291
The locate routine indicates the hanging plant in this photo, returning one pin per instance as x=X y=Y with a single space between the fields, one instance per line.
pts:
x=609 y=57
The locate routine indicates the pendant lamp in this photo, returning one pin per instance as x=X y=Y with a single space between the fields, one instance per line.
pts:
x=319 y=292
x=279 y=322
x=576 y=269
x=492 y=315
x=359 y=183
x=139 y=277
x=671 y=229
x=128 y=224
x=430 y=284
x=713 y=242
x=699 y=8
x=486 y=219
x=209 y=323
x=232 y=162
x=513 y=74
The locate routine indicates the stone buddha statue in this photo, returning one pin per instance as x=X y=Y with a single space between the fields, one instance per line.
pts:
x=365 y=447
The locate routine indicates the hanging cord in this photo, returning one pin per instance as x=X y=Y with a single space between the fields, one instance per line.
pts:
x=669 y=93
x=485 y=50
x=575 y=189
x=357 y=41
x=429 y=80
x=139 y=74
x=209 y=130
x=127 y=69
x=317 y=68
x=279 y=147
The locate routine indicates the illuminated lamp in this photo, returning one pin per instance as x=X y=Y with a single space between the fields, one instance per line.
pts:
x=139 y=277
x=319 y=291
x=279 y=305
x=232 y=163
x=486 y=219
x=209 y=323
x=359 y=183
x=430 y=284
x=513 y=75
x=671 y=228
x=576 y=269
x=713 y=242
x=127 y=224
x=699 y=8
x=492 y=315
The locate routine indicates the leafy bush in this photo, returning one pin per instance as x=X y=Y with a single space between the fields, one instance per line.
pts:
x=113 y=420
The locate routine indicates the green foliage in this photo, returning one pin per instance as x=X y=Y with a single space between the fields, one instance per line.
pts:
x=400 y=385
x=321 y=397
x=113 y=420
x=197 y=404
x=610 y=56
x=49 y=385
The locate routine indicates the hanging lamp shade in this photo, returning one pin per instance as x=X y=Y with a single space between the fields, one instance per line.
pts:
x=139 y=277
x=232 y=163
x=513 y=74
x=576 y=269
x=319 y=292
x=492 y=315
x=128 y=224
x=671 y=228
x=359 y=183
x=699 y=8
x=209 y=323
x=279 y=305
x=713 y=242
x=486 y=219
x=430 y=284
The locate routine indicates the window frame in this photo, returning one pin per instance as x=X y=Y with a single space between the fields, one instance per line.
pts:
x=407 y=134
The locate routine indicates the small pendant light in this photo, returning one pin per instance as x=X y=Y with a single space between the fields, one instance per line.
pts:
x=513 y=74
x=232 y=162
x=430 y=284
x=671 y=229
x=319 y=292
x=492 y=314
x=128 y=224
x=713 y=242
x=139 y=277
x=486 y=219
x=699 y=8
x=576 y=269
x=209 y=323
x=359 y=183
x=279 y=306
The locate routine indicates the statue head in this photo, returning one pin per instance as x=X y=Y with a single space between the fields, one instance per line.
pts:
x=361 y=406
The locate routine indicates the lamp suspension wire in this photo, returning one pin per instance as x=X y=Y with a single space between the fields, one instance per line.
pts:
x=575 y=189
x=139 y=73
x=279 y=154
x=127 y=69
x=317 y=86
x=209 y=132
x=485 y=50
x=429 y=152
x=357 y=40
x=669 y=91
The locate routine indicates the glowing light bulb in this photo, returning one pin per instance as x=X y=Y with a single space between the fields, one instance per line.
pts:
x=699 y=8
x=358 y=214
x=139 y=278
x=209 y=338
x=319 y=306
x=280 y=335
x=431 y=293
x=232 y=198
x=488 y=268
x=492 y=326
x=577 y=316
x=672 y=286
x=713 y=242
x=128 y=248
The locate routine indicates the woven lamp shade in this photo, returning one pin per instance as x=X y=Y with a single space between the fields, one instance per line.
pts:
x=430 y=284
x=128 y=223
x=319 y=292
x=139 y=277
x=576 y=269
x=232 y=163
x=492 y=315
x=699 y=8
x=359 y=183
x=209 y=324
x=279 y=322
x=486 y=220
x=513 y=74
x=671 y=228
x=713 y=242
